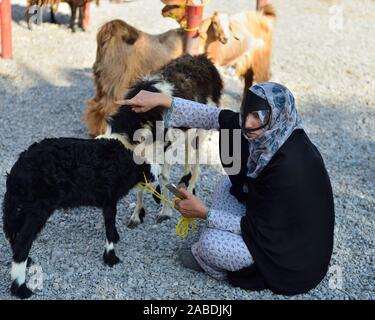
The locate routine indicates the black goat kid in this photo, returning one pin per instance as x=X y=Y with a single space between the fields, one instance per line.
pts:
x=61 y=173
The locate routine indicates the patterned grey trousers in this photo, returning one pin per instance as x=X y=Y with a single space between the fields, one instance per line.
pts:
x=220 y=247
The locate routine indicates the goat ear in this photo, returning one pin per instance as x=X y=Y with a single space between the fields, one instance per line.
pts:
x=203 y=27
x=167 y=11
x=131 y=35
x=104 y=34
x=174 y=12
x=235 y=31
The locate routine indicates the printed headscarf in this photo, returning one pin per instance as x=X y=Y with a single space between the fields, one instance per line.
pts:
x=284 y=119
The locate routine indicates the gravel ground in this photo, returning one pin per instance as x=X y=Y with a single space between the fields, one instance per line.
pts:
x=328 y=63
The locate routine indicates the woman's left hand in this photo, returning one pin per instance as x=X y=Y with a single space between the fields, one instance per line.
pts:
x=146 y=100
x=191 y=206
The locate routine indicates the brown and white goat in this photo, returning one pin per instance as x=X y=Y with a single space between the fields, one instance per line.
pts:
x=243 y=39
x=193 y=78
x=124 y=55
x=73 y=4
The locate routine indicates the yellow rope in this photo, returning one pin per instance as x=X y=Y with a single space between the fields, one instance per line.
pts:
x=184 y=224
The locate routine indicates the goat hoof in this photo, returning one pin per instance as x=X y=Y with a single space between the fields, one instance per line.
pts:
x=30 y=262
x=184 y=181
x=21 y=292
x=182 y=185
x=116 y=237
x=161 y=218
x=110 y=258
x=133 y=223
x=142 y=214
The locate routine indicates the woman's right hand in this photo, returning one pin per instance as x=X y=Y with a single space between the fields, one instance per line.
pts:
x=146 y=100
x=190 y=206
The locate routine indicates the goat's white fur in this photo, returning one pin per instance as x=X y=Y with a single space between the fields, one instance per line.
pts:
x=18 y=272
x=165 y=87
x=109 y=246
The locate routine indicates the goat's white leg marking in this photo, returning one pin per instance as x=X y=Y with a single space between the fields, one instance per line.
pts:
x=166 y=211
x=201 y=136
x=155 y=170
x=18 y=272
x=194 y=176
x=135 y=218
x=109 y=246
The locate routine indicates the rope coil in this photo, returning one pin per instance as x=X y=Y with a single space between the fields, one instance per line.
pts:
x=184 y=225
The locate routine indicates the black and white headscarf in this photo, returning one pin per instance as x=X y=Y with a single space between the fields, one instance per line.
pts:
x=284 y=120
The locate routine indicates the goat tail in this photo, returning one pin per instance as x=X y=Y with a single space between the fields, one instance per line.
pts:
x=12 y=217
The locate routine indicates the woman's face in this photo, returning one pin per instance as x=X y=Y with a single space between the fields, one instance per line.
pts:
x=252 y=122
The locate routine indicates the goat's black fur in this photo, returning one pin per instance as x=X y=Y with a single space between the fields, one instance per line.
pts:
x=61 y=173
x=194 y=78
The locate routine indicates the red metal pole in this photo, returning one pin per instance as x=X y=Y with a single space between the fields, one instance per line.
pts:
x=86 y=15
x=194 y=14
x=6 y=29
x=261 y=4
